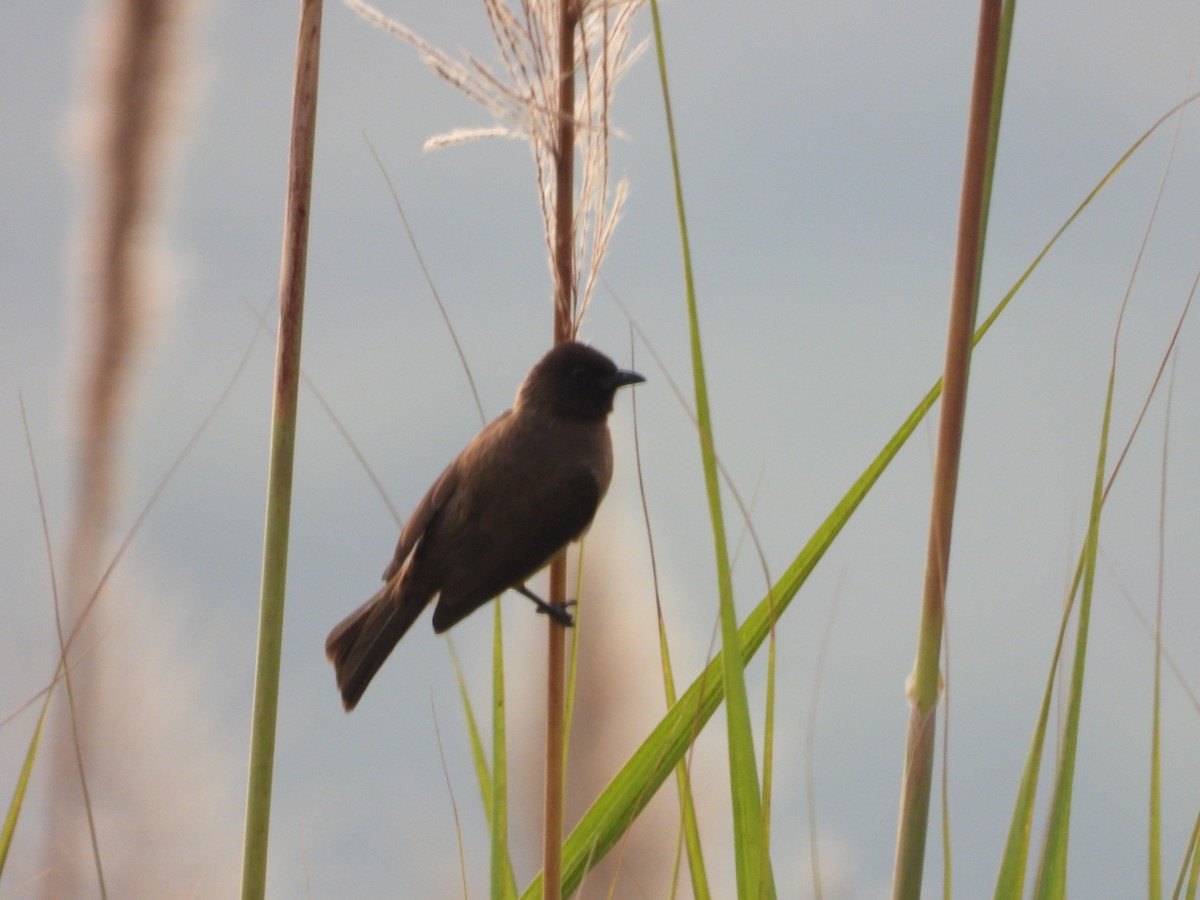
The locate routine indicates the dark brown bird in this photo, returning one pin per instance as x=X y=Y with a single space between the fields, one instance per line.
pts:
x=525 y=487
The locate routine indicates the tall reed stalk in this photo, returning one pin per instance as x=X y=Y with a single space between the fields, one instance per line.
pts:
x=283 y=442
x=564 y=271
x=925 y=682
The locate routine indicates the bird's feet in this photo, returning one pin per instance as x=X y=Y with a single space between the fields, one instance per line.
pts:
x=560 y=614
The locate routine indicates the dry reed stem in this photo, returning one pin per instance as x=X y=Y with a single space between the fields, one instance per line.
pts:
x=925 y=681
x=293 y=269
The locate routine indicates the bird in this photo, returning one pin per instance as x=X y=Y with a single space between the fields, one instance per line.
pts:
x=526 y=486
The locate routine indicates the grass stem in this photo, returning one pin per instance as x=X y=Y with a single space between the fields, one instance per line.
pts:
x=283 y=441
x=925 y=682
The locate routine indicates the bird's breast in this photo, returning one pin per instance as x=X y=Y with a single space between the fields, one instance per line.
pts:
x=524 y=464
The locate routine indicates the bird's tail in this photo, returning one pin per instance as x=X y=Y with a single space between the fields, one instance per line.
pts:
x=361 y=642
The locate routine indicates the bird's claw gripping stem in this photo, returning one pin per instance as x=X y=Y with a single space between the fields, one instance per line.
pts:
x=560 y=614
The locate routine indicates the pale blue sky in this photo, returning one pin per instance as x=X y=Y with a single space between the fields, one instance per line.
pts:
x=821 y=153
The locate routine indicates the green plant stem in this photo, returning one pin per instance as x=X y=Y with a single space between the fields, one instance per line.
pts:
x=283 y=440
x=503 y=885
x=1191 y=866
x=552 y=813
x=1154 y=891
x=925 y=682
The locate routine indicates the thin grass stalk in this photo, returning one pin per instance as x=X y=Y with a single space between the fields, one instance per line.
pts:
x=564 y=280
x=628 y=793
x=1003 y=46
x=15 y=805
x=810 y=739
x=1051 y=879
x=17 y=802
x=12 y=816
x=503 y=884
x=433 y=292
x=947 y=859
x=283 y=440
x=1011 y=878
x=689 y=827
x=458 y=834
x=63 y=670
x=573 y=660
x=753 y=860
x=482 y=773
x=1169 y=659
x=552 y=811
x=925 y=682
x=1052 y=870
x=1154 y=889
x=80 y=767
x=633 y=787
x=769 y=732
x=1191 y=865
x=689 y=830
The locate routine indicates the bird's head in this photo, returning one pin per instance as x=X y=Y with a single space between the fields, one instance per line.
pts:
x=575 y=382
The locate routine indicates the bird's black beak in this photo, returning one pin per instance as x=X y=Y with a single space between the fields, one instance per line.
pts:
x=622 y=377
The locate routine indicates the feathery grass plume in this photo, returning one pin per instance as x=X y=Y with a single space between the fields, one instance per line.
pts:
x=131 y=81
x=522 y=101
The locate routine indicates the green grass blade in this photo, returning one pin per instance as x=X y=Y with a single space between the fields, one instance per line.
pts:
x=573 y=663
x=1011 y=879
x=1154 y=888
x=19 y=790
x=632 y=788
x=1191 y=860
x=769 y=739
x=22 y=785
x=753 y=861
x=689 y=833
x=628 y=793
x=482 y=773
x=1052 y=871
x=683 y=784
x=503 y=884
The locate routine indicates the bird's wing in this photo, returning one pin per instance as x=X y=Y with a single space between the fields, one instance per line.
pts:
x=433 y=501
x=560 y=517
